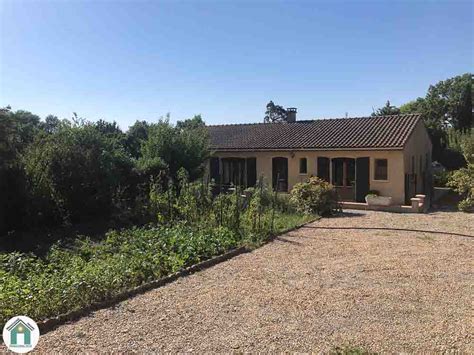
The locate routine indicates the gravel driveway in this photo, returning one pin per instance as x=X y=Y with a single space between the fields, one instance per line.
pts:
x=309 y=290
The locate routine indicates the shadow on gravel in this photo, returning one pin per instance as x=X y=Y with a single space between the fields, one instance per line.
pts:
x=347 y=214
x=392 y=229
x=280 y=239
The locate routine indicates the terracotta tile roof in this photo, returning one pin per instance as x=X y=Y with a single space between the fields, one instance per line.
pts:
x=385 y=132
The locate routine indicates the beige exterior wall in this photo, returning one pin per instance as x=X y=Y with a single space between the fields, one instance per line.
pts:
x=393 y=187
x=418 y=147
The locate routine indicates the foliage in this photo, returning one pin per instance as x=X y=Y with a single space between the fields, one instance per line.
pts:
x=441 y=178
x=447 y=106
x=387 y=110
x=76 y=171
x=462 y=180
x=186 y=148
x=415 y=106
x=17 y=130
x=198 y=228
x=66 y=171
x=315 y=196
x=275 y=113
x=449 y=102
x=373 y=193
x=466 y=143
x=193 y=123
x=136 y=135
x=69 y=279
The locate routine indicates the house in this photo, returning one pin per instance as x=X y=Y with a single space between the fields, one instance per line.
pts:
x=20 y=334
x=390 y=154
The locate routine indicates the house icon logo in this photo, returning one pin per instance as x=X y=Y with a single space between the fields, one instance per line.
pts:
x=21 y=334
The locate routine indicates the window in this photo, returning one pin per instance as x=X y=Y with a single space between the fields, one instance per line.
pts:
x=381 y=169
x=303 y=166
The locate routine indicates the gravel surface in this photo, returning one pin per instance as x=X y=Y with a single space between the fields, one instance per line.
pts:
x=309 y=290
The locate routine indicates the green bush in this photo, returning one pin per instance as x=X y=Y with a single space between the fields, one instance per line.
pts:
x=177 y=147
x=441 y=178
x=76 y=172
x=462 y=181
x=315 y=196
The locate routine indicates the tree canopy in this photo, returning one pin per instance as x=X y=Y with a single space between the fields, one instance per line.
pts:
x=71 y=170
x=275 y=113
x=447 y=111
x=386 y=110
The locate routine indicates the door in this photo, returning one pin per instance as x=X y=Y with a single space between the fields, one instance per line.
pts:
x=362 y=172
x=280 y=173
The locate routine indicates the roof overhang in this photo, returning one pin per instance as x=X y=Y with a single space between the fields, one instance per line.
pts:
x=217 y=150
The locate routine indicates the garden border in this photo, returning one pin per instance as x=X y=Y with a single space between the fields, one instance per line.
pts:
x=50 y=324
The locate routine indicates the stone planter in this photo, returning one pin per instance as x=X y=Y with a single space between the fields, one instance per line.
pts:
x=378 y=200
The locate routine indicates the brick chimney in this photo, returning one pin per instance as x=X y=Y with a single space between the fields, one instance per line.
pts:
x=291 y=114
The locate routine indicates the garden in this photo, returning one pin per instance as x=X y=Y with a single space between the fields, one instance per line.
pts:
x=148 y=183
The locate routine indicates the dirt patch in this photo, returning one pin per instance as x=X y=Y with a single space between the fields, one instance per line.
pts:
x=309 y=290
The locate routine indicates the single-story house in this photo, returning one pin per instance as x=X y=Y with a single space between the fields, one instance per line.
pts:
x=390 y=154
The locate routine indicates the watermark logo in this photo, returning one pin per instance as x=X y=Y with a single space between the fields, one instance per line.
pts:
x=21 y=334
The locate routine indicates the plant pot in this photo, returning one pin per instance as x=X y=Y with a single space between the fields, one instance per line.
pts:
x=378 y=200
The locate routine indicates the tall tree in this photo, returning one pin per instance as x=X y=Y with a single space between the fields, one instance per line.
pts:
x=136 y=135
x=450 y=102
x=447 y=106
x=275 y=113
x=191 y=123
x=387 y=110
x=174 y=148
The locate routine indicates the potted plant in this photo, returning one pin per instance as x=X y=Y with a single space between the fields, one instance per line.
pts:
x=373 y=198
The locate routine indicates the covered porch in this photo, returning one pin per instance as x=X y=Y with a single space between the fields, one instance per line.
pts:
x=234 y=171
x=349 y=176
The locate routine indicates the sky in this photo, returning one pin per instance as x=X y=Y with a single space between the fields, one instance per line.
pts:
x=129 y=60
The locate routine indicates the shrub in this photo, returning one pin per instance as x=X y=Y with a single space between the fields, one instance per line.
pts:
x=76 y=171
x=315 y=196
x=177 y=147
x=441 y=178
x=462 y=181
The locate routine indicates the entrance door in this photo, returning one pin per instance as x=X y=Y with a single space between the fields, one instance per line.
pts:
x=280 y=172
x=362 y=178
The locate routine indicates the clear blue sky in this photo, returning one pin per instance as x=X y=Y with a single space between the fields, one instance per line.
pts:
x=128 y=60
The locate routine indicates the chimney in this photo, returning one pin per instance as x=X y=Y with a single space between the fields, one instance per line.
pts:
x=291 y=114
